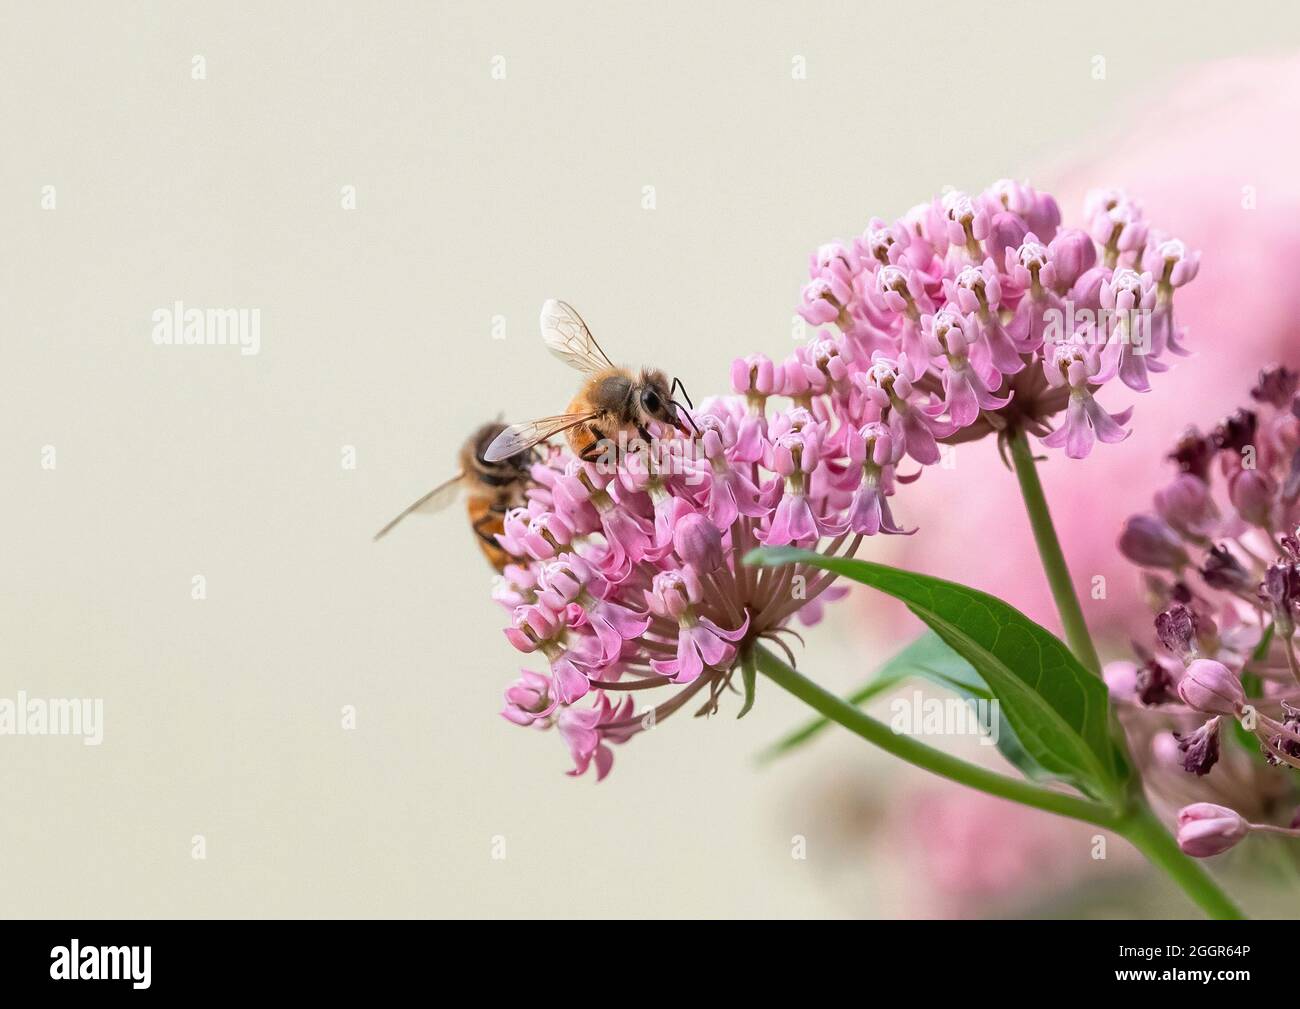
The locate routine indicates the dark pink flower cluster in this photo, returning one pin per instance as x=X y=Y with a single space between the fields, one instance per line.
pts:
x=1221 y=551
x=969 y=316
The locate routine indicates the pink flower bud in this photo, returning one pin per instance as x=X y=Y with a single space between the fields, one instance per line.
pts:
x=1006 y=232
x=1205 y=829
x=1252 y=495
x=1086 y=292
x=1072 y=254
x=1149 y=541
x=1187 y=504
x=1043 y=215
x=698 y=542
x=1211 y=687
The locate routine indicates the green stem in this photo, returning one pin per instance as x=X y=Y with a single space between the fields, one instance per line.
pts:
x=1138 y=824
x=1149 y=836
x=1049 y=549
x=922 y=755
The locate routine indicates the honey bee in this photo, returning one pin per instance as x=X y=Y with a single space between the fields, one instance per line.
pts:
x=493 y=487
x=611 y=400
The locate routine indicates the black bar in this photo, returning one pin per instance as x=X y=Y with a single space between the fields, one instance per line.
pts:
x=954 y=961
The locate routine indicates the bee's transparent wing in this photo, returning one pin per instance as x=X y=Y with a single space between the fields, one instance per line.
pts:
x=521 y=437
x=568 y=338
x=436 y=500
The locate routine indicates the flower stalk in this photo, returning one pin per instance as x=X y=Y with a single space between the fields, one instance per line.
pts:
x=1049 y=550
x=1137 y=823
x=928 y=757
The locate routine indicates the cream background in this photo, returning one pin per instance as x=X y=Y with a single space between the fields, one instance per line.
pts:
x=477 y=197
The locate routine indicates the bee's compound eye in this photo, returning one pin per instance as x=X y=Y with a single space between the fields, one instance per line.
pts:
x=650 y=401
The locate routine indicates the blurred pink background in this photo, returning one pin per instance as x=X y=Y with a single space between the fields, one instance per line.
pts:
x=1214 y=163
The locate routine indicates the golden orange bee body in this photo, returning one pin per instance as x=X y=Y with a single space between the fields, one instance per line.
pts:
x=491 y=490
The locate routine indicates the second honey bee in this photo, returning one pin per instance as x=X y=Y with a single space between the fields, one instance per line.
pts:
x=492 y=487
x=611 y=400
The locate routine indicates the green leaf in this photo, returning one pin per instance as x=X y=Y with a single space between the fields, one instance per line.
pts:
x=930 y=658
x=749 y=677
x=1059 y=711
x=948 y=669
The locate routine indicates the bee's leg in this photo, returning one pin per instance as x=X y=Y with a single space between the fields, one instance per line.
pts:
x=645 y=434
x=592 y=452
x=483 y=526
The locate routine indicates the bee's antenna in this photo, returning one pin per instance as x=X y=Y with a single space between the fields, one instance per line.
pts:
x=679 y=384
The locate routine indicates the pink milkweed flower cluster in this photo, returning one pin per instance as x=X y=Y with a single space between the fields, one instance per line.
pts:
x=993 y=314
x=1219 y=117
x=1221 y=553
x=628 y=577
x=970 y=315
